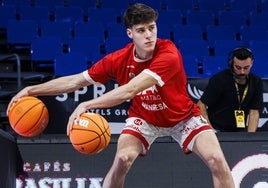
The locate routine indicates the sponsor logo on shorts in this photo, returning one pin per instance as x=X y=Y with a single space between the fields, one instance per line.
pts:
x=138 y=122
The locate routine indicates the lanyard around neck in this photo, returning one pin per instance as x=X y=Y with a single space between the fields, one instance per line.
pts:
x=240 y=100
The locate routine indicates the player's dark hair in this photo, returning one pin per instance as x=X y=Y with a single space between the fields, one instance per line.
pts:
x=139 y=14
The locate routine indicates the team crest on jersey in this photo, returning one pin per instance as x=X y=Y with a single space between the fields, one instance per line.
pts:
x=131 y=75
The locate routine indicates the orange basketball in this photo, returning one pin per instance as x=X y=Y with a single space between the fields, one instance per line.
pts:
x=91 y=134
x=29 y=116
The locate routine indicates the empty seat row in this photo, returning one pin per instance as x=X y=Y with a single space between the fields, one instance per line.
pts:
x=171 y=17
x=208 y=66
x=30 y=29
x=197 y=60
x=44 y=50
x=66 y=31
x=46 y=47
x=201 y=48
x=51 y=4
x=157 y=4
x=47 y=53
x=67 y=14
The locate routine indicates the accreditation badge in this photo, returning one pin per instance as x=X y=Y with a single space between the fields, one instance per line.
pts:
x=240 y=118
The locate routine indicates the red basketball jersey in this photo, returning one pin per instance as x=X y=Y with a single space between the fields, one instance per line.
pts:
x=166 y=103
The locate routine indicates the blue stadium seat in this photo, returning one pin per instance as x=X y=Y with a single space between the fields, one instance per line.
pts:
x=263 y=6
x=199 y=48
x=115 y=43
x=90 y=29
x=202 y=17
x=164 y=31
x=21 y=31
x=179 y=5
x=43 y=51
x=157 y=4
x=45 y=48
x=7 y=12
x=189 y=31
x=90 y=46
x=69 y=63
x=258 y=19
x=235 y=18
x=118 y=4
x=253 y=33
x=214 y=64
x=116 y=30
x=171 y=17
x=246 y=6
x=16 y=3
x=209 y=5
x=60 y=29
x=51 y=4
x=37 y=13
x=85 y=4
x=190 y=63
x=220 y=32
x=259 y=47
x=103 y=15
x=69 y=14
x=260 y=65
x=223 y=47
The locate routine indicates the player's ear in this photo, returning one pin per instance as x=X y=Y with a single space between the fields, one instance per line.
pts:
x=129 y=33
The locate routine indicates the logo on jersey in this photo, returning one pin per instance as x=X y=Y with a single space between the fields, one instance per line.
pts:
x=151 y=100
x=131 y=75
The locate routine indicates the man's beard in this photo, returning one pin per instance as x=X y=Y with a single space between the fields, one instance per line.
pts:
x=240 y=76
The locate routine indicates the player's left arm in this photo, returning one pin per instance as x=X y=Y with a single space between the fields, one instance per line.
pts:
x=115 y=96
x=253 y=120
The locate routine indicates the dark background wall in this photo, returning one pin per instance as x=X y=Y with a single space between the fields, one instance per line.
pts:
x=51 y=160
x=8 y=160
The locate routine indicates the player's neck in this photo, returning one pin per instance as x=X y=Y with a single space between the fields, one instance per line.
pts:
x=142 y=56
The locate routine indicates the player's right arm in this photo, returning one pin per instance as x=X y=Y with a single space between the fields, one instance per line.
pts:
x=56 y=86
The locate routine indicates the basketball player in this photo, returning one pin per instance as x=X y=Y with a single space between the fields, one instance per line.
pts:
x=233 y=98
x=150 y=72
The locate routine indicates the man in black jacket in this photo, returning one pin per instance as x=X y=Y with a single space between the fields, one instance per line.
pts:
x=233 y=97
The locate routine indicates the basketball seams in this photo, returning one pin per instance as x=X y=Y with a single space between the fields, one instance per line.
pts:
x=96 y=148
x=102 y=124
x=97 y=138
x=93 y=138
x=39 y=119
x=28 y=110
x=86 y=130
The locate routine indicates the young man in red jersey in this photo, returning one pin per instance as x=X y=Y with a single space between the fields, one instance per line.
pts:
x=150 y=73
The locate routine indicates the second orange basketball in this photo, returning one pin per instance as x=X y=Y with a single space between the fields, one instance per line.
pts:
x=91 y=134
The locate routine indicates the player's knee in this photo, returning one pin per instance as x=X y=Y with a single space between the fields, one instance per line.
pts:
x=216 y=162
x=123 y=162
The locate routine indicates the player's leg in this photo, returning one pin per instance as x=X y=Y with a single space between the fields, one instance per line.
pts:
x=207 y=147
x=129 y=147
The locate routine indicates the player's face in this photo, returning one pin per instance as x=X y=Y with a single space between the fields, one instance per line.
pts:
x=144 y=36
x=242 y=67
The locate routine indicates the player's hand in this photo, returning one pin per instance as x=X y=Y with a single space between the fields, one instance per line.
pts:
x=22 y=93
x=75 y=116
